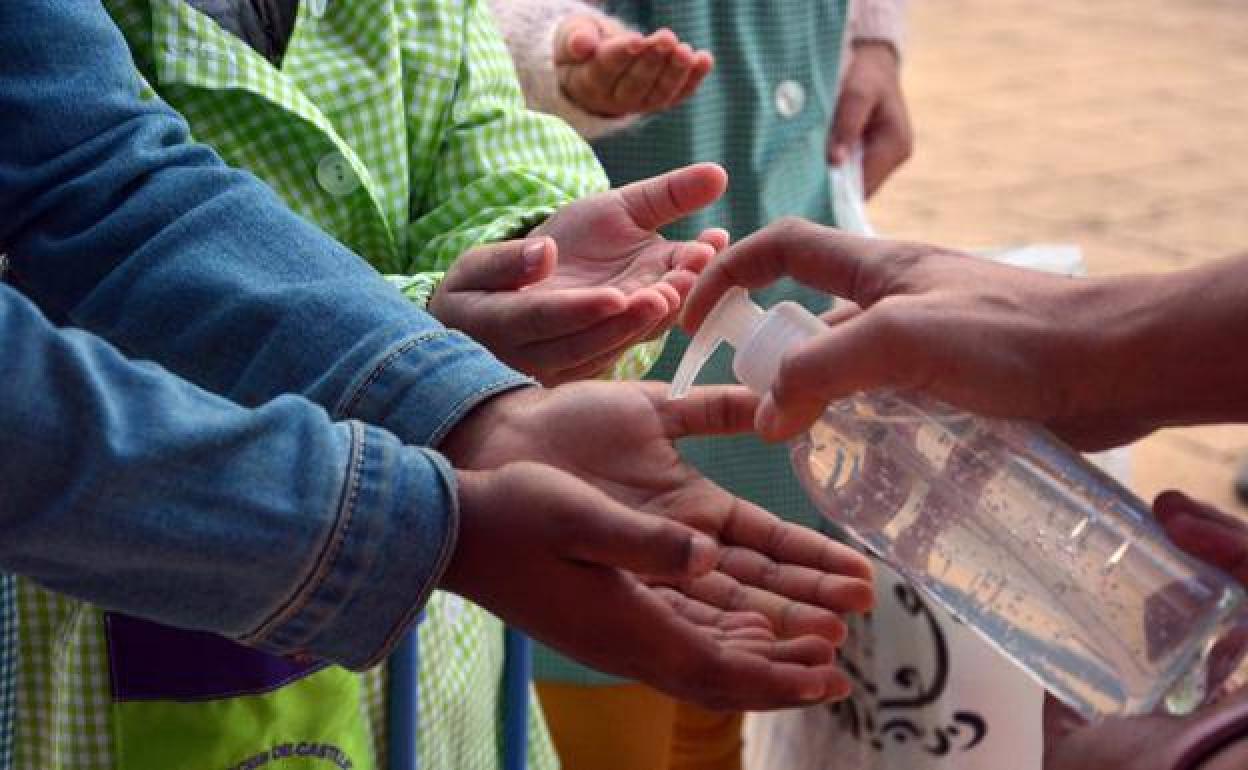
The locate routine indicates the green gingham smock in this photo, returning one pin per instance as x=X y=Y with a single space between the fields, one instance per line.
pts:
x=398 y=127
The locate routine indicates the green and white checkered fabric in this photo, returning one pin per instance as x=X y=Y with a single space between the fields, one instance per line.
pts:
x=8 y=668
x=398 y=127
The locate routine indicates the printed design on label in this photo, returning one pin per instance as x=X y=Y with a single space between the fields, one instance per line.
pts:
x=333 y=756
x=880 y=715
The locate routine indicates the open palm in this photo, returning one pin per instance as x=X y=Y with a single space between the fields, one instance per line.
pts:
x=612 y=240
x=619 y=438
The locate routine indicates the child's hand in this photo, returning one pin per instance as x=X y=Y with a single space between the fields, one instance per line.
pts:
x=554 y=333
x=609 y=70
x=565 y=310
x=558 y=552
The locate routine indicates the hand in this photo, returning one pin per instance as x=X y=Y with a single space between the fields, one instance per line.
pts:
x=872 y=111
x=991 y=339
x=618 y=438
x=551 y=554
x=607 y=69
x=610 y=240
x=555 y=331
x=1159 y=742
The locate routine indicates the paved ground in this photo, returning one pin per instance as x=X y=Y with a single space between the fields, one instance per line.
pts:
x=1120 y=125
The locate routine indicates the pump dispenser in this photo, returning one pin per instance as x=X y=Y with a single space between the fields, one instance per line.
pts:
x=1045 y=556
x=760 y=339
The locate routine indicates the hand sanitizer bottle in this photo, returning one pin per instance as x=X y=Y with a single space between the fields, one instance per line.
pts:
x=1054 y=563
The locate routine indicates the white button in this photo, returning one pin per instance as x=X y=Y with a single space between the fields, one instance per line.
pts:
x=317 y=8
x=335 y=174
x=790 y=98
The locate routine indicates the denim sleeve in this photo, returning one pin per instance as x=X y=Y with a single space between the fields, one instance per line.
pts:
x=128 y=487
x=115 y=222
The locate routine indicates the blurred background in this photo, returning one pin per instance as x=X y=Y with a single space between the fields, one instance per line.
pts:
x=1117 y=125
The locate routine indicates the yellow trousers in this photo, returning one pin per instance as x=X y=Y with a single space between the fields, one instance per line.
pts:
x=633 y=727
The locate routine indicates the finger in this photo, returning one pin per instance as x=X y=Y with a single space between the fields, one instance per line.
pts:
x=853 y=356
x=841 y=313
x=705 y=411
x=806 y=650
x=571 y=351
x=853 y=110
x=661 y=200
x=703 y=63
x=715 y=237
x=671 y=79
x=887 y=145
x=591 y=527
x=577 y=39
x=641 y=76
x=1205 y=532
x=614 y=56
x=826 y=589
x=530 y=317
x=756 y=682
x=703 y=614
x=821 y=257
x=788 y=618
x=785 y=543
x=503 y=266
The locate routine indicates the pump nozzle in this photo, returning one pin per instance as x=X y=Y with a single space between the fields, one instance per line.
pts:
x=732 y=321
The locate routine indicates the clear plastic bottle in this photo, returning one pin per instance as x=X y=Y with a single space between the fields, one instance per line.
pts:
x=1053 y=562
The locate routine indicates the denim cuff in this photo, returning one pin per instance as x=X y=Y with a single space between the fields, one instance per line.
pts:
x=394 y=534
x=421 y=387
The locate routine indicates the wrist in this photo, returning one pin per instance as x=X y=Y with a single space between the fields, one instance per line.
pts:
x=480 y=440
x=878 y=47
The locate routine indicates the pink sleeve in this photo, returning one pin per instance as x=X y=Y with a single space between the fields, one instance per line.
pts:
x=879 y=20
x=529 y=28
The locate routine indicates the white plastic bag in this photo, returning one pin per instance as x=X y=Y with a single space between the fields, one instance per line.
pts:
x=929 y=693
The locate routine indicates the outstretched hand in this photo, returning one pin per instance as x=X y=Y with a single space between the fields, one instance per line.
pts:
x=592 y=281
x=606 y=69
x=617 y=438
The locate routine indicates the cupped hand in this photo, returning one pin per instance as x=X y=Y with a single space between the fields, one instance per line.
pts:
x=988 y=338
x=619 y=438
x=871 y=111
x=611 y=241
x=551 y=554
x=609 y=70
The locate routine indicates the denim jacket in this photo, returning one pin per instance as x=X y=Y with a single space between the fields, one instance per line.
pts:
x=141 y=492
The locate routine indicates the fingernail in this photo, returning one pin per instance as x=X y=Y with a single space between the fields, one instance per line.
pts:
x=703 y=554
x=533 y=253
x=813 y=691
x=766 y=418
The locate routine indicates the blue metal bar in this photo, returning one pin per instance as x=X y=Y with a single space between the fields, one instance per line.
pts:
x=404 y=702
x=517 y=674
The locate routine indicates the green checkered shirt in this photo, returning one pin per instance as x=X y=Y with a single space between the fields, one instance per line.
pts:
x=398 y=127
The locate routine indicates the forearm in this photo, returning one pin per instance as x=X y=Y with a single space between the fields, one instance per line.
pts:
x=1169 y=348
x=529 y=28
x=142 y=493
x=117 y=223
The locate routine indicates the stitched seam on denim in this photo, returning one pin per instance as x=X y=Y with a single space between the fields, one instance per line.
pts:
x=444 y=559
x=472 y=401
x=333 y=546
x=357 y=394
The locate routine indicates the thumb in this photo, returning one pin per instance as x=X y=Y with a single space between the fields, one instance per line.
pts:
x=504 y=266
x=661 y=200
x=843 y=360
x=577 y=39
x=853 y=110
